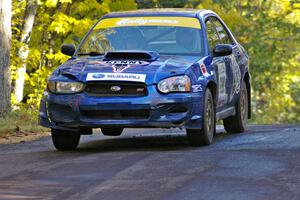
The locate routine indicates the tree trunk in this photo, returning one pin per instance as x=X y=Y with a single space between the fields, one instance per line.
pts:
x=30 y=12
x=5 y=44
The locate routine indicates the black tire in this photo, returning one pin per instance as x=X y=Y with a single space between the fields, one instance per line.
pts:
x=204 y=136
x=65 y=140
x=112 y=131
x=237 y=123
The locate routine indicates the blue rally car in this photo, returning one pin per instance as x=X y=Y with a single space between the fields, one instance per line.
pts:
x=150 y=68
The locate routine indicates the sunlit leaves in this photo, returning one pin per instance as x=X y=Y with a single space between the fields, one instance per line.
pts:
x=51 y=3
x=62 y=24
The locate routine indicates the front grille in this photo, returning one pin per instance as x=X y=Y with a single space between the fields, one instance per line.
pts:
x=116 y=114
x=106 y=89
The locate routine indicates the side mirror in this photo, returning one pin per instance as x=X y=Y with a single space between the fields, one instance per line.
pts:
x=68 y=49
x=222 y=50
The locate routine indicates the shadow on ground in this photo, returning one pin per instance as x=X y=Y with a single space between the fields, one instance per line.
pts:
x=142 y=142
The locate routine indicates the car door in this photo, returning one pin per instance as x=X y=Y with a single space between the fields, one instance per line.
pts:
x=233 y=70
x=220 y=65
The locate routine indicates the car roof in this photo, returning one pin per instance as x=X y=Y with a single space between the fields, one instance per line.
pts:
x=181 y=12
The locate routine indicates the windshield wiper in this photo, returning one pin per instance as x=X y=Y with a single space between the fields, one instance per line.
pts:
x=92 y=53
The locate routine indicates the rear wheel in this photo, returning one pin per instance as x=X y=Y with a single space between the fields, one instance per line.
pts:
x=204 y=136
x=65 y=140
x=237 y=123
x=112 y=131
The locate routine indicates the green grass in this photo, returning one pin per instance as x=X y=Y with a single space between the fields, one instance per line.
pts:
x=20 y=121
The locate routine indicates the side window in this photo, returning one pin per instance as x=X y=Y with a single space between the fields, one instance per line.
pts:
x=223 y=35
x=212 y=35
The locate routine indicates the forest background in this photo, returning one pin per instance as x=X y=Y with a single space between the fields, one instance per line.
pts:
x=268 y=29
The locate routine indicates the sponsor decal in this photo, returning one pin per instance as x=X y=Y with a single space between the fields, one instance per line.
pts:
x=236 y=75
x=126 y=62
x=197 y=88
x=189 y=22
x=115 y=77
x=221 y=74
x=120 y=65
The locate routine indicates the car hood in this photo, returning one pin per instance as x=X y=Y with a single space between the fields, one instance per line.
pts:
x=81 y=68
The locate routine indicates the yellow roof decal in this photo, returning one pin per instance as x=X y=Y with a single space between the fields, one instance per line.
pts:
x=149 y=21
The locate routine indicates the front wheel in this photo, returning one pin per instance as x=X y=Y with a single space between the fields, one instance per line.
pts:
x=65 y=140
x=237 y=123
x=204 y=136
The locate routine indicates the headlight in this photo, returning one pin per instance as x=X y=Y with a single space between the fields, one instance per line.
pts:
x=64 y=87
x=175 y=84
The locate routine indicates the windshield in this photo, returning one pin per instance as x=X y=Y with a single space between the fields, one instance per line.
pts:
x=142 y=34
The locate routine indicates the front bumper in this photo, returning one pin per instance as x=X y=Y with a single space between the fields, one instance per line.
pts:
x=80 y=111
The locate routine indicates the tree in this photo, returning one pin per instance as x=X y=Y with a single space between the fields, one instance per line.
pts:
x=5 y=39
x=30 y=11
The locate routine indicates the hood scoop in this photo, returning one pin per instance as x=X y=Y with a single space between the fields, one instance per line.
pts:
x=131 y=55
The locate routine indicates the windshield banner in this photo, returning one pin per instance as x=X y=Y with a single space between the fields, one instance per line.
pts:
x=188 y=22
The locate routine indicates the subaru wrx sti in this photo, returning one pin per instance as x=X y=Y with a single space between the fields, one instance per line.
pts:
x=150 y=68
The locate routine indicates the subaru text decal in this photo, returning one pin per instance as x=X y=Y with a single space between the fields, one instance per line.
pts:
x=115 y=77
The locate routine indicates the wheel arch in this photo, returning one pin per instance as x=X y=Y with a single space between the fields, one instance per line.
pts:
x=212 y=86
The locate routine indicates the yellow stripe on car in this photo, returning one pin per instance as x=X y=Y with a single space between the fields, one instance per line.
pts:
x=188 y=22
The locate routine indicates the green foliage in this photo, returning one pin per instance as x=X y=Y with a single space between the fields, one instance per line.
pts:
x=268 y=29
